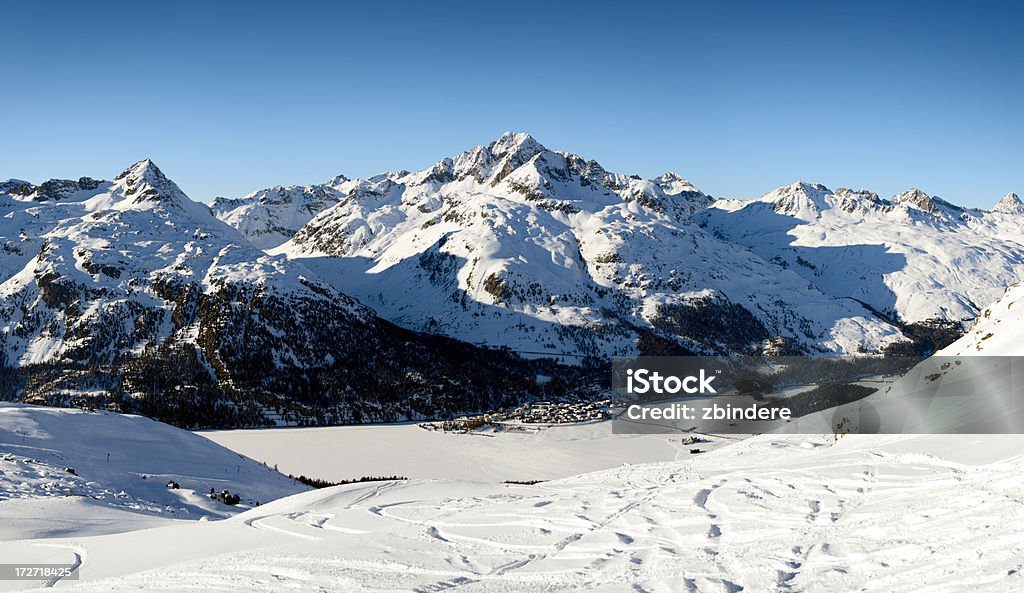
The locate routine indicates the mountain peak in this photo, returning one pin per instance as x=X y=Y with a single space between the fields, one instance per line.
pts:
x=145 y=169
x=10 y=184
x=916 y=198
x=802 y=188
x=145 y=182
x=1010 y=204
x=671 y=177
x=520 y=143
x=674 y=183
x=857 y=194
x=798 y=199
x=806 y=186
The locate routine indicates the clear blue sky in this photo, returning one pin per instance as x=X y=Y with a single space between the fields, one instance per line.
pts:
x=739 y=98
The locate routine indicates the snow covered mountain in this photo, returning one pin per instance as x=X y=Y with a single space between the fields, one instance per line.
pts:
x=1010 y=204
x=914 y=258
x=127 y=294
x=546 y=252
x=269 y=217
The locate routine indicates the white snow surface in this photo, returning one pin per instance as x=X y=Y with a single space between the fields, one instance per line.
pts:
x=772 y=513
x=122 y=466
x=998 y=331
x=903 y=513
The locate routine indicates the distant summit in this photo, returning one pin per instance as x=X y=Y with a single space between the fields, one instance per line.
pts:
x=1009 y=204
x=916 y=198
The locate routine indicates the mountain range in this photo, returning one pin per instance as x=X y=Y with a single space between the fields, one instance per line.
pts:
x=544 y=251
x=129 y=296
x=449 y=290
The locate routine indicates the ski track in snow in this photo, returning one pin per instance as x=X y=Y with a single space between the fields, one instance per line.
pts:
x=78 y=553
x=864 y=514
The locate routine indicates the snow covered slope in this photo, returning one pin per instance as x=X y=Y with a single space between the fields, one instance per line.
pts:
x=131 y=296
x=120 y=469
x=998 y=331
x=974 y=385
x=914 y=257
x=271 y=216
x=543 y=251
x=867 y=514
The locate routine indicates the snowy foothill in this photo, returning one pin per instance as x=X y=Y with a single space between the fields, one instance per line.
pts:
x=997 y=331
x=971 y=385
x=75 y=472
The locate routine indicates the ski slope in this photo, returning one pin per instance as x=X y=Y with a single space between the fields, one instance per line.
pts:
x=789 y=513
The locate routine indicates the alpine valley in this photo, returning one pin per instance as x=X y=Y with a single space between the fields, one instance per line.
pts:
x=449 y=290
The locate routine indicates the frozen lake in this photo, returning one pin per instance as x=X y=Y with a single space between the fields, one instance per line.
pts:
x=555 y=451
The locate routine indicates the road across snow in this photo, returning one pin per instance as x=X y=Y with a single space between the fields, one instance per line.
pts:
x=772 y=513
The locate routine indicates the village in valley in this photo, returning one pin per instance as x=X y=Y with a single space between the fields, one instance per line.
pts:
x=534 y=413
